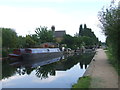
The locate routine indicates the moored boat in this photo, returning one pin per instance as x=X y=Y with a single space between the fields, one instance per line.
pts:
x=17 y=53
x=36 y=53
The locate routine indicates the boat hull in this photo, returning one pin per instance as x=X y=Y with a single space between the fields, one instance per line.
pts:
x=41 y=56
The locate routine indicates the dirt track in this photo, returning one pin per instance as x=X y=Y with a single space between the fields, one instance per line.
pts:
x=102 y=73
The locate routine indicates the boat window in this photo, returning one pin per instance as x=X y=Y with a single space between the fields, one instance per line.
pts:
x=48 y=50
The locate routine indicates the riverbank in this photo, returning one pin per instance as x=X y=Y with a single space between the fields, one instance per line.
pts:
x=102 y=74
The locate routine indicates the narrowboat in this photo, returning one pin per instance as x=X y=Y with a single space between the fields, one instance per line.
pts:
x=36 y=53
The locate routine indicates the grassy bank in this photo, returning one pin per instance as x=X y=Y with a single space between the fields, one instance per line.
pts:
x=113 y=61
x=83 y=82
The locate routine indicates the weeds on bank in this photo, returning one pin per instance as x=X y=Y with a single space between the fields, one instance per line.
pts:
x=83 y=83
x=113 y=61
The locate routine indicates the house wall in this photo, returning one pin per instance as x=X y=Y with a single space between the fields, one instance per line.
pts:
x=59 y=39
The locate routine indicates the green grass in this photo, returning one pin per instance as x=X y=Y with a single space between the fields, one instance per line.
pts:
x=113 y=61
x=83 y=82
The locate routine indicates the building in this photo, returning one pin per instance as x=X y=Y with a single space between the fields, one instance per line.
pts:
x=59 y=35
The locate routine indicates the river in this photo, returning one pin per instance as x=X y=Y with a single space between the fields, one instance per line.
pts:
x=62 y=73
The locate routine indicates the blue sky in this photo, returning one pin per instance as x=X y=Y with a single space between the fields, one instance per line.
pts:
x=26 y=15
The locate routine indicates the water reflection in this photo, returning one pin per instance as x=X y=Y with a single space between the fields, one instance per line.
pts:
x=44 y=70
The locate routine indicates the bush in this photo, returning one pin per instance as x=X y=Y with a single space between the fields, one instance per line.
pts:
x=83 y=82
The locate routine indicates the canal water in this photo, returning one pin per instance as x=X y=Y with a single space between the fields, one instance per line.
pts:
x=63 y=72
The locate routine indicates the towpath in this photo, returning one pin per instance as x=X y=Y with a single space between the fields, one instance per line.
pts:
x=102 y=73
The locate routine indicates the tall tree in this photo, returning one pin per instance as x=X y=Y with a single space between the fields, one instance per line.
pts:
x=21 y=42
x=9 y=38
x=44 y=34
x=88 y=33
x=68 y=40
x=36 y=38
x=110 y=24
x=88 y=41
x=0 y=42
x=53 y=28
x=85 y=26
x=29 y=41
x=80 y=30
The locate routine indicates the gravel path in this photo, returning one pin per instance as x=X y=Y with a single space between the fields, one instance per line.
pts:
x=102 y=73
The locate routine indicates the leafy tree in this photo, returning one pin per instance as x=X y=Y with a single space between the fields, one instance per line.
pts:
x=0 y=42
x=29 y=41
x=87 y=40
x=110 y=24
x=0 y=38
x=77 y=42
x=69 y=40
x=21 y=42
x=87 y=32
x=85 y=26
x=35 y=38
x=80 y=30
x=53 y=28
x=9 y=38
x=44 y=34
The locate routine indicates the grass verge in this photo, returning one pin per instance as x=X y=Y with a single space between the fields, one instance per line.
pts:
x=112 y=61
x=83 y=82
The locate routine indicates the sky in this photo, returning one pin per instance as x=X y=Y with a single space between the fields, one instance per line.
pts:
x=24 y=16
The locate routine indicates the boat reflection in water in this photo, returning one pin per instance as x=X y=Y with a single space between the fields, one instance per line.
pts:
x=71 y=67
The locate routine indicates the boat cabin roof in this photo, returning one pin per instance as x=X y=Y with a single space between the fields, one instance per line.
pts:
x=44 y=50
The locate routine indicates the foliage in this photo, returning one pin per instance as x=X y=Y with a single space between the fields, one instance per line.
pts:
x=21 y=42
x=77 y=41
x=0 y=38
x=53 y=28
x=35 y=38
x=80 y=30
x=9 y=38
x=85 y=37
x=29 y=41
x=68 y=39
x=88 y=35
x=110 y=20
x=111 y=60
x=83 y=82
x=44 y=35
x=88 y=41
x=0 y=42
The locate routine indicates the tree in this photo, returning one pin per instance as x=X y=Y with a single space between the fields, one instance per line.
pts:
x=9 y=38
x=88 y=33
x=110 y=24
x=68 y=40
x=80 y=30
x=0 y=42
x=85 y=26
x=44 y=34
x=21 y=42
x=77 y=42
x=36 y=38
x=29 y=41
x=53 y=28
x=88 y=41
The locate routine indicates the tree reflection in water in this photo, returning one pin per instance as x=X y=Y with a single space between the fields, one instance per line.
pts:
x=45 y=71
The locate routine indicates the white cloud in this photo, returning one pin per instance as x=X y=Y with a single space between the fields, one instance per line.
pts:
x=25 y=19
